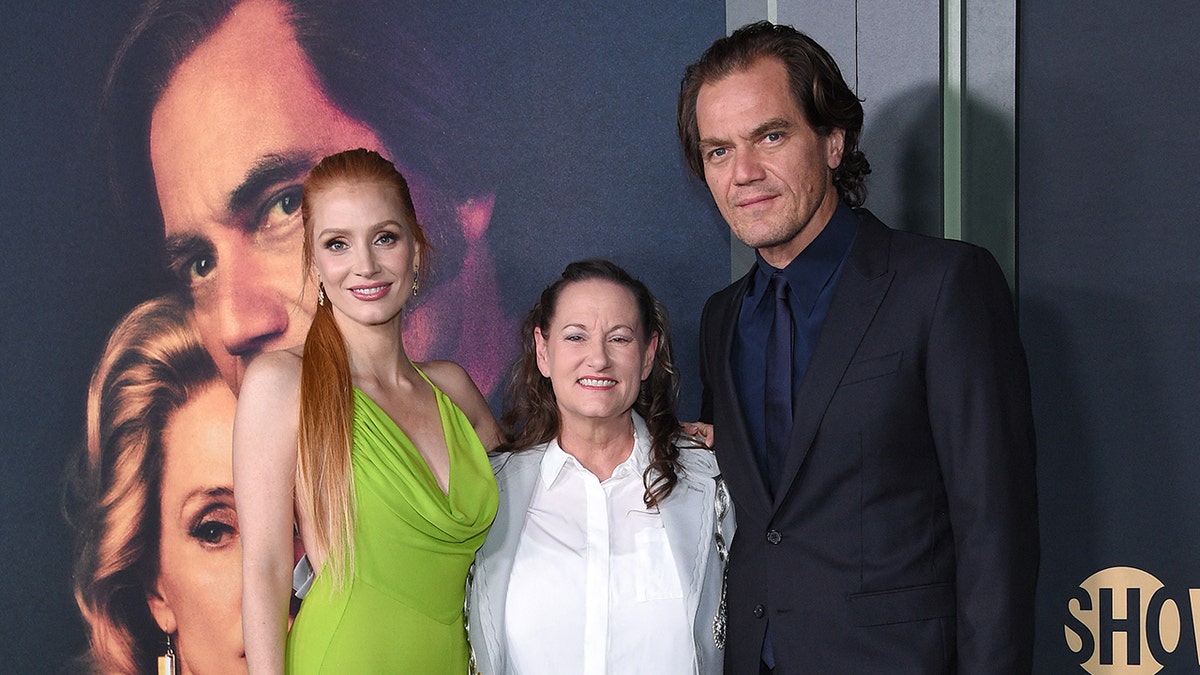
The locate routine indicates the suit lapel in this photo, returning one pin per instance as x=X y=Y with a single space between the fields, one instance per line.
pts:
x=864 y=283
x=744 y=476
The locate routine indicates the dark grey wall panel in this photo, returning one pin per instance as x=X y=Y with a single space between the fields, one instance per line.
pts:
x=1109 y=156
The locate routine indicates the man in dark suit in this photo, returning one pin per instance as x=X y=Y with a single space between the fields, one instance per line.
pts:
x=868 y=391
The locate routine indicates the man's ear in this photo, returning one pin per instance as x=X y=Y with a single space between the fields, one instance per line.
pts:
x=835 y=143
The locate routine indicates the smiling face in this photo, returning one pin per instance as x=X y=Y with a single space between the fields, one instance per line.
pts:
x=595 y=351
x=364 y=250
x=197 y=596
x=770 y=173
x=237 y=128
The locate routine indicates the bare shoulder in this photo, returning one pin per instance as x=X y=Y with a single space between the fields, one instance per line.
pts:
x=268 y=406
x=458 y=385
x=451 y=378
x=273 y=376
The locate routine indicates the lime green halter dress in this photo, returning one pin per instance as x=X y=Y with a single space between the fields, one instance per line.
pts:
x=402 y=611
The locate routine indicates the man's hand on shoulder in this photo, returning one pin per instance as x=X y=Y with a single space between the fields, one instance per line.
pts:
x=699 y=430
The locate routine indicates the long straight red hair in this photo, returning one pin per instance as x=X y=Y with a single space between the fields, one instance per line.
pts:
x=324 y=479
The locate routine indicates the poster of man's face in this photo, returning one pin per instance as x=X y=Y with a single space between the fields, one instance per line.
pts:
x=152 y=181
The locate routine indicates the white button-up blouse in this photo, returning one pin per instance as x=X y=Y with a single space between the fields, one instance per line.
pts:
x=595 y=587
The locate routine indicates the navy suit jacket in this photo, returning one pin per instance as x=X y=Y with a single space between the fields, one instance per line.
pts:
x=903 y=537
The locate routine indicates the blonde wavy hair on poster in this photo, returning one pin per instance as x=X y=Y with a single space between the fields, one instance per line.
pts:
x=152 y=365
x=324 y=480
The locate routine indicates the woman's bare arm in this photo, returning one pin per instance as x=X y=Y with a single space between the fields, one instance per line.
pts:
x=264 y=468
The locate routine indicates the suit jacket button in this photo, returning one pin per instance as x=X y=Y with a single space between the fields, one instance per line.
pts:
x=759 y=611
x=773 y=537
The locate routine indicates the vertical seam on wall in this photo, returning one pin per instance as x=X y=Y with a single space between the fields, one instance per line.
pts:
x=856 y=55
x=952 y=123
x=1016 y=165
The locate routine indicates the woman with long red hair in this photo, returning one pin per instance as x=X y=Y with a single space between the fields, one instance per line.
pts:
x=380 y=460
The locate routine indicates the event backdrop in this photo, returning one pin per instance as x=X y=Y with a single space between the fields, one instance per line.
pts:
x=533 y=134
x=556 y=121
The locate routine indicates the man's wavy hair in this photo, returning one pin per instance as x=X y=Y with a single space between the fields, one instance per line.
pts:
x=531 y=411
x=817 y=87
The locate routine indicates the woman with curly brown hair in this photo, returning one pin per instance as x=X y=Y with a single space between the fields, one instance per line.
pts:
x=606 y=553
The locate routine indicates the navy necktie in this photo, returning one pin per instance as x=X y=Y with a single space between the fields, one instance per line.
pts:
x=778 y=381
x=777 y=396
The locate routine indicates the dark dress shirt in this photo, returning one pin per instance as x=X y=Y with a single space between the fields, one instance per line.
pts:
x=811 y=278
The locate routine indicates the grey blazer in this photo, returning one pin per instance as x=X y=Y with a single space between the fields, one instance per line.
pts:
x=689 y=517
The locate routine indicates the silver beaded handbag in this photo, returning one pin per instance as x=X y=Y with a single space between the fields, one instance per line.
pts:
x=722 y=509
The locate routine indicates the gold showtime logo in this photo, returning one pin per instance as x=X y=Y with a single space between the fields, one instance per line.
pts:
x=1123 y=620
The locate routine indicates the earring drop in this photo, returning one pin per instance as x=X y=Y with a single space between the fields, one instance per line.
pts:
x=416 y=284
x=166 y=662
x=320 y=294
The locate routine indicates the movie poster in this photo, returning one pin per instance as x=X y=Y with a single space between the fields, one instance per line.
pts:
x=153 y=156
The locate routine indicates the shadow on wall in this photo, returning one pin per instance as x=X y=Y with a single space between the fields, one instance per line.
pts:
x=903 y=140
x=1068 y=494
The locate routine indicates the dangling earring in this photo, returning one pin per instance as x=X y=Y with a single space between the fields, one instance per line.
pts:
x=320 y=294
x=166 y=662
x=416 y=283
